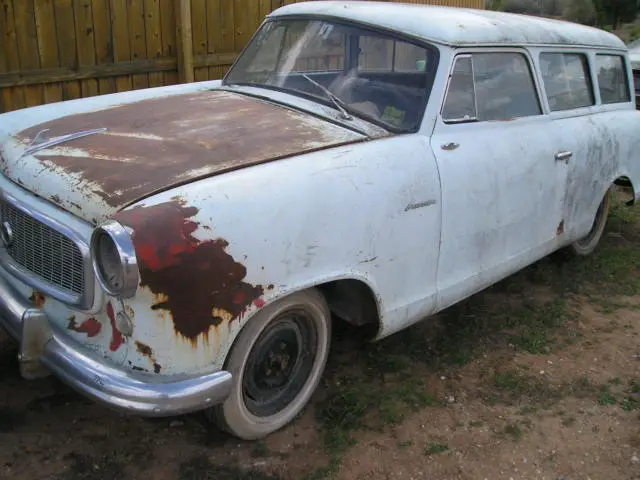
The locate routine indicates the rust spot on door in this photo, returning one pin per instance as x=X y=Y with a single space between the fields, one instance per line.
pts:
x=196 y=281
x=560 y=229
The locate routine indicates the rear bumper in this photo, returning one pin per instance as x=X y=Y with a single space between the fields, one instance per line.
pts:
x=91 y=375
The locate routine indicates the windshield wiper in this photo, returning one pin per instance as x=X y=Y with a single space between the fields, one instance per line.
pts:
x=340 y=105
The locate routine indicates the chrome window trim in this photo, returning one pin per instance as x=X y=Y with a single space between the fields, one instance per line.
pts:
x=84 y=301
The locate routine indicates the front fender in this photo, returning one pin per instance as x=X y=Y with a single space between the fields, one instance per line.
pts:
x=214 y=252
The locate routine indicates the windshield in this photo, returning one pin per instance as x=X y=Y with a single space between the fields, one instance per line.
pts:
x=368 y=74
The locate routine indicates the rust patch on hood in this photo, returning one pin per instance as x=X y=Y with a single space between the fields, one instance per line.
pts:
x=153 y=144
x=196 y=281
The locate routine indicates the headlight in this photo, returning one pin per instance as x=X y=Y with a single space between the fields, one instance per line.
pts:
x=114 y=259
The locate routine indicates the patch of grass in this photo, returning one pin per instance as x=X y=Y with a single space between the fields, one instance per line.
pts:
x=323 y=473
x=513 y=430
x=476 y=423
x=405 y=443
x=201 y=468
x=605 y=397
x=435 y=447
x=568 y=421
x=528 y=410
x=512 y=386
x=538 y=322
x=630 y=403
x=360 y=403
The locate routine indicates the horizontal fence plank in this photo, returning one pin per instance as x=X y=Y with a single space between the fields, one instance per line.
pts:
x=61 y=74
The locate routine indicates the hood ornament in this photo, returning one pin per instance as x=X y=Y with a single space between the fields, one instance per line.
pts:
x=39 y=143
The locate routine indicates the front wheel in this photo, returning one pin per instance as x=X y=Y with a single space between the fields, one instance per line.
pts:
x=276 y=363
x=588 y=244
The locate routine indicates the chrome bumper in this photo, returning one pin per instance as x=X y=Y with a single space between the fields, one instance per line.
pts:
x=127 y=391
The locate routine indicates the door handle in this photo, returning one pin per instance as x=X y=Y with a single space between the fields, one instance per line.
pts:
x=563 y=156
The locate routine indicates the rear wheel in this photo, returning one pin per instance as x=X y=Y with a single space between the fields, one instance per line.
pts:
x=588 y=244
x=276 y=363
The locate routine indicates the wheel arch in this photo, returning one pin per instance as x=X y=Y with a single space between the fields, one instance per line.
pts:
x=351 y=298
x=625 y=181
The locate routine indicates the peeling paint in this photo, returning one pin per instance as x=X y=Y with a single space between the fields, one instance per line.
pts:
x=196 y=281
x=38 y=298
x=147 y=351
x=116 y=337
x=90 y=326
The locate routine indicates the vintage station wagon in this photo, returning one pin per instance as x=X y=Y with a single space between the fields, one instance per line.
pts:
x=187 y=248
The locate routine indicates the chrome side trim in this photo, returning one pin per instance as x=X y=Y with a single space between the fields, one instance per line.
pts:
x=84 y=301
x=93 y=376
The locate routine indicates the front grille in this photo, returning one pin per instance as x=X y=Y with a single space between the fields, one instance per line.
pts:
x=43 y=251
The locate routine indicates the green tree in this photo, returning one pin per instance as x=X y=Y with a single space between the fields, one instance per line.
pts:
x=581 y=11
x=614 y=12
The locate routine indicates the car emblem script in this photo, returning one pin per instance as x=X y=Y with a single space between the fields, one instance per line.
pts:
x=6 y=234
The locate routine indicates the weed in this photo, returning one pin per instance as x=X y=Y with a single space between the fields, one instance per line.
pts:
x=605 y=397
x=514 y=431
x=405 y=443
x=435 y=447
x=629 y=404
x=568 y=421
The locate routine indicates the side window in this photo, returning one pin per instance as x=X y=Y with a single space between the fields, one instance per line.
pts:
x=490 y=87
x=566 y=80
x=636 y=81
x=385 y=55
x=612 y=79
x=460 y=104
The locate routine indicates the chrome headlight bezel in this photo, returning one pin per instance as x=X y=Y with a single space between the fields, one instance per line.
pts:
x=116 y=233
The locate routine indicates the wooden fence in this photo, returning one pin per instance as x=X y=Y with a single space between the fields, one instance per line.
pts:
x=55 y=50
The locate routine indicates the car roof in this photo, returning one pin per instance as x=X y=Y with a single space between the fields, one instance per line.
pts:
x=458 y=27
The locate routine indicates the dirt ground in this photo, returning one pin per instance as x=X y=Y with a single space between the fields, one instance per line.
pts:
x=535 y=378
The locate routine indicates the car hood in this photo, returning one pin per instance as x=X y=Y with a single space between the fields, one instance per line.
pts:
x=153 y=144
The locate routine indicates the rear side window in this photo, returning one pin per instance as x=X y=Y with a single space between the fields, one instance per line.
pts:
x=612 y=79
x=490 y=87
x=566 y=80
